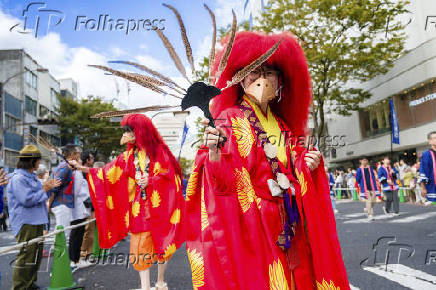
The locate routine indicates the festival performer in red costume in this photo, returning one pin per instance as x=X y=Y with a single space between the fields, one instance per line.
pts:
x=140 y=191
x=258 y=204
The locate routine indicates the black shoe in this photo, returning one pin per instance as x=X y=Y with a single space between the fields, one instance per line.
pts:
x=35 y=287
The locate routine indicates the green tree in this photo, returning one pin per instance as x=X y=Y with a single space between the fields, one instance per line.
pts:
x=98 y=135
x=345 y=42
x=185 y=165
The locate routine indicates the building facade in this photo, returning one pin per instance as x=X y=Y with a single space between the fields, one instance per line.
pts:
x=28 y=94
x=411 y=84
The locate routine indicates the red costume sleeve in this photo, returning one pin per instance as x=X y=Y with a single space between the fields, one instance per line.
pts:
x=167 y=206
x=108 y=188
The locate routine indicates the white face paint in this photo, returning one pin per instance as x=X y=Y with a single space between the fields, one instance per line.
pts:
x=261 y=85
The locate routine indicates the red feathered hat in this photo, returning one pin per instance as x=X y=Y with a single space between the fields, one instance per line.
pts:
x=147 y=137
x=289 y=59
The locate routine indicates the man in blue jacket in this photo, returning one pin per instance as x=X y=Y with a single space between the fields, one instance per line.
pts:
x=427 y=170
x=367 y=183
x=27 y=215
x=388 y=179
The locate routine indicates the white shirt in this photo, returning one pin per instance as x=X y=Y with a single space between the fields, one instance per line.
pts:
x=81 y=193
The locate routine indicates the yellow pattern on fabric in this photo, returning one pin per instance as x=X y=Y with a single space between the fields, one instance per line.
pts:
x=109 y=235
x=192 y=185
x=131 y=188
x=244 y=189
x=126 y=219
x=204 y=216
x=114 y=174
x=277 y=278
x=243 y=134
x=158 y=169
x=197 y=268
x=136 y=207
x=171 y=249
x=142 y=160
x=302 y=181
x=175 y=217
x=155 y=199
x=91 y=182
x=272 y=129
x=100 y=174
x=326 y=286
x=109 y=202
x=126 y=155
x=178 y=182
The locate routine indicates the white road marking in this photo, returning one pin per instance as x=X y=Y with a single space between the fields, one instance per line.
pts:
x=405 y=276
x=354 y=287
x=415 y=217
x=355 y=215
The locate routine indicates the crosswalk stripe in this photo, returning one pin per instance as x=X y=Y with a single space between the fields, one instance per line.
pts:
x=405 y=276
x=354 y=287
x=415 y=217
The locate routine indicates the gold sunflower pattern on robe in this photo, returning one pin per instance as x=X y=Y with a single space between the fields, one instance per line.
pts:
x=277 y=279
x=192 y=185
x=326 y=286
x=170 y=250
x=155 y=199
x=243 y=134
x=204 y=220
x=131 y=188
x=136 y=208
x=302 y=181
x=175 y=217
x=114 y=174
x=197 y=268
x=245 y=190
x=109 y=202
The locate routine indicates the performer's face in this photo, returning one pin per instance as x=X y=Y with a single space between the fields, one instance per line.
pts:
x=261 y=84
x=128 y=137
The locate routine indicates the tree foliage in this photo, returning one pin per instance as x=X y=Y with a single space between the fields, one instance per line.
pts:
x=345 y=42
x=98 y=135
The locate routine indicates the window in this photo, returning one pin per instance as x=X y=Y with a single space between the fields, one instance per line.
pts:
x=31 y=79
x=374 y=120
x=43 y=111
x=55 y=140
x=12 y=124
x=45 y=136
x=31 y=106
x=34 y=131
x=54 y=98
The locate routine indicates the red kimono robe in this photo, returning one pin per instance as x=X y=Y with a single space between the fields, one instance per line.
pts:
x=234 y=220
x=119 y=207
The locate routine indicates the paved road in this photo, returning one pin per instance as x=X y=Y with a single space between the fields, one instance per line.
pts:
x=410 y=240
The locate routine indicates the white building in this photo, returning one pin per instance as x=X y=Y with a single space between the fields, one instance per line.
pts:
x=411 y=83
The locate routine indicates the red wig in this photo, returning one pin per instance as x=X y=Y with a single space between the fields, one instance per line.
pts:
x=148 y=138
x=289 y=59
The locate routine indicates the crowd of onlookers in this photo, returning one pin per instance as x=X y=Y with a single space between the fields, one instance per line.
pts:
x=31 y=195
x=345 y=182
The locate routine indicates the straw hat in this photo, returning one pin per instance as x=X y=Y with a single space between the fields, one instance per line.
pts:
x=30 y=151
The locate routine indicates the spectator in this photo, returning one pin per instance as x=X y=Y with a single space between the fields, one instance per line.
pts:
x=42 y=174
x=339 y=182
x=415 y=184
x=79 y=215
x=402 y=170
x=388 y=177
x=427 y=170
x=28 y=214
x=63 y=196
x=366 y=179
x=331 y=185
x=408 y=177
x=88 y=237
